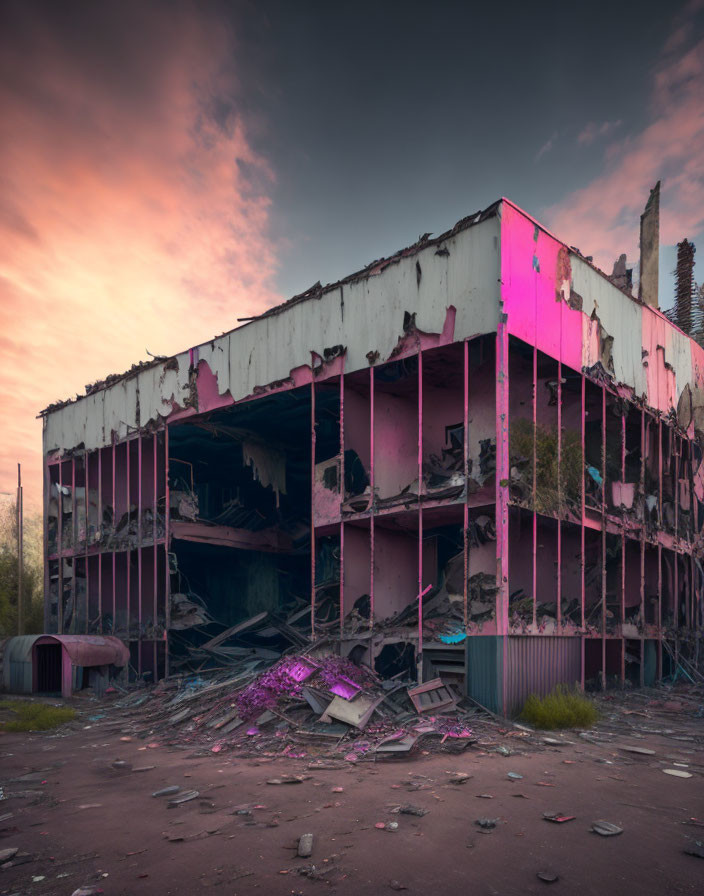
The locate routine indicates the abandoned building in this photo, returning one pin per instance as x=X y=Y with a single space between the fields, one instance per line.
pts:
x=479 y=459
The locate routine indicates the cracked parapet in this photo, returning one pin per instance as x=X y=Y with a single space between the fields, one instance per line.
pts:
x=622 y=276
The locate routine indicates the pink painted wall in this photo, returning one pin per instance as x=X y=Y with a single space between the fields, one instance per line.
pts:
x=92 y=584
x=482 y=412
x=535 y=275
x=148 y=601
x=121 y=595
x=106 y=593
x=357 y=565
x=357 y=423
x=441 y=407
x=120 y=477
x=662 y=387
x=482 y=558
x=147 y=472
x=395 y=443
x=571 y=580
x=395 y=571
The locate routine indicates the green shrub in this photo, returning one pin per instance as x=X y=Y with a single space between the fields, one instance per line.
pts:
x=562 y=708
x=521 y=435
x=30 y=716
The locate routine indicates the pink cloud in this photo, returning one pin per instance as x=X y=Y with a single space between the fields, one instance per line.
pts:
x=546 y=147
x=602 y=218
x=134 y=211
x=593 y=131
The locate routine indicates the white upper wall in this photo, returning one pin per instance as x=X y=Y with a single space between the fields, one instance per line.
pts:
x=365 y=316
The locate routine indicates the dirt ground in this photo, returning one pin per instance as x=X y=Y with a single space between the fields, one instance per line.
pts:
x=83 y=822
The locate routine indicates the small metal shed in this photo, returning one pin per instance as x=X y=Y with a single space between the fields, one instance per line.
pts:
x=53 y=663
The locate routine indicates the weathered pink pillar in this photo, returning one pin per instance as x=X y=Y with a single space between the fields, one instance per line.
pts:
x=312 y=500
x=372 y=499
x=502 y=480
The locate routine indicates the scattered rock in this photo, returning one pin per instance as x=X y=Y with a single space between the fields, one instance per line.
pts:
x=606 y=829
x=305 y=846
x=288 y=779
x=627 y=748
x=459 y=778
x=167 y=791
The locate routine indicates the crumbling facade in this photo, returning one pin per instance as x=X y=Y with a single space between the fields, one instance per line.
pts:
x=478 y=459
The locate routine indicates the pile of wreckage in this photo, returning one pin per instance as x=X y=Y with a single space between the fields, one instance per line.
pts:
x=310 y=703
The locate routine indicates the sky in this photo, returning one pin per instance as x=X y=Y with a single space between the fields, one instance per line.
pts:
x=166 y=168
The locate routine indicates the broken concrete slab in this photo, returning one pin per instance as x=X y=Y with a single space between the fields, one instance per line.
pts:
x=356 y=712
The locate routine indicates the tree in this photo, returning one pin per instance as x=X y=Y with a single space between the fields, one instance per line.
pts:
x=32 y=572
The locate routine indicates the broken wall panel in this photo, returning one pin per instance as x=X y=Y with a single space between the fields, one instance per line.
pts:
x=106 y=594
x=571 y=577
x=547 y=579
x=395 y=570
x=396 y=391
x=594 y=439
x=327 y=487
x=481 y=441
x=521 y=570
x=644 y=609
x=356 y=599
x=522 y=422
x=443 y=421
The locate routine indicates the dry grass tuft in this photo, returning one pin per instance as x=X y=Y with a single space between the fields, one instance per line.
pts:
x=562 y=708
x=29 y=716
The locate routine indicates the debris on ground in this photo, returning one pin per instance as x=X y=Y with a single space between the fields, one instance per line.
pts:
x=558 y=817
x=167 y=791
x=305 y=846
x=184 y=797
x=695 y=849
x=606 y=829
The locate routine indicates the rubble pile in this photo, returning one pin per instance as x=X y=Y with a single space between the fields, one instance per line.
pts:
x=303 y=705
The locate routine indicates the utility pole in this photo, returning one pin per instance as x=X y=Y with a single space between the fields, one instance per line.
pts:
x=20 y=608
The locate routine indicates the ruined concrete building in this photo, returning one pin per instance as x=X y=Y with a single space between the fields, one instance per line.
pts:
x=479 y=459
